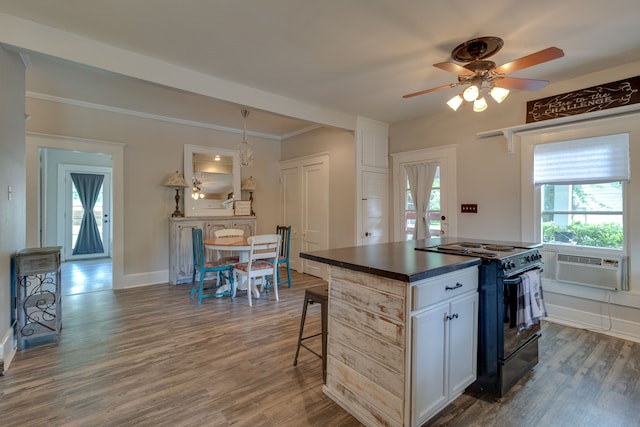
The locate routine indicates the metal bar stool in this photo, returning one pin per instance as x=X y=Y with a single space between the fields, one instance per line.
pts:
x=320 y=295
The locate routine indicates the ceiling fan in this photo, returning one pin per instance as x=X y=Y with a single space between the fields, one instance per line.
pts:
x=479 y=73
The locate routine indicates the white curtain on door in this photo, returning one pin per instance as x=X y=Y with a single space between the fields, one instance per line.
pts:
x=420 y=176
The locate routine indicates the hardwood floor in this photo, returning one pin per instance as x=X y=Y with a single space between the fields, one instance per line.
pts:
x=90 y=275
x=151 y=357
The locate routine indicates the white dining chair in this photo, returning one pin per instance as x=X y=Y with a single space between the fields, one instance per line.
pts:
x=263 y=260
x=228 y=232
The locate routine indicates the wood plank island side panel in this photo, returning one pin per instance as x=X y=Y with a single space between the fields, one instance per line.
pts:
x=379 y=350
x=379 y=303
x=359 y=395
x=382 y=284
x=382 y=375
x=366 y=321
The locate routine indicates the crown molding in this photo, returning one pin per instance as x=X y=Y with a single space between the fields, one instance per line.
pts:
x=140 y=114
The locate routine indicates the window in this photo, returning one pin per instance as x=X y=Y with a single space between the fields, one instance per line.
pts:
x=433 y=215
x=582 y=191
x=440 y=195
x=583 y=214
x=78 y=211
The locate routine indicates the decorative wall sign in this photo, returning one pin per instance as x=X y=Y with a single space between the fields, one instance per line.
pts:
x=601 y=97
x=242 y=207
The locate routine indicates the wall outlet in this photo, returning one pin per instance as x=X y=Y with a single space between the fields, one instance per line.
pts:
x=469 y=208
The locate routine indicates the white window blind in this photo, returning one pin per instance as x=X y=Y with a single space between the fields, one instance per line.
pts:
x=589 y=160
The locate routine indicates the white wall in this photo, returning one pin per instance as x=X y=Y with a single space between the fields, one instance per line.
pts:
x=12 y=174
x=490 y=177
x=154 y=149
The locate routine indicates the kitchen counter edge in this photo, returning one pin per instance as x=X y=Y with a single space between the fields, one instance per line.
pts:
x=396 y=260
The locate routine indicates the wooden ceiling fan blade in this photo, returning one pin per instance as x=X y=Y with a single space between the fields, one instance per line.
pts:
x=536 y=58
x=516 y=83
x=422 y=92
x=453 y=68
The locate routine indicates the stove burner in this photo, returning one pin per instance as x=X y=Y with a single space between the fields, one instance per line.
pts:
x=470 y=245
x=500 y=248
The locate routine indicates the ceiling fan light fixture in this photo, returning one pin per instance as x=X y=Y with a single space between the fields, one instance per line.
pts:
x=499 y=93
x=455 y=102
x=471 y=93
x=479 y=105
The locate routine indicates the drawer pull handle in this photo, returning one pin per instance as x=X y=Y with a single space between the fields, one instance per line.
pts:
x=450 y=288
x=453 y=316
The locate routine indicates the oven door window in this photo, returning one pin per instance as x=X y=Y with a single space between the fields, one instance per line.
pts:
x=512 y=339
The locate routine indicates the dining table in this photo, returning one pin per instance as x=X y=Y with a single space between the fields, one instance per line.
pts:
x=239 y=244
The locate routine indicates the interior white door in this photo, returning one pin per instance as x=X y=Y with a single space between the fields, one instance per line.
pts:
x=315 y=214
x=374 y=207
x=291 y=211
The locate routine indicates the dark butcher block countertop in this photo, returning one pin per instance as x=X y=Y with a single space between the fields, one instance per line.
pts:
x=396 y=260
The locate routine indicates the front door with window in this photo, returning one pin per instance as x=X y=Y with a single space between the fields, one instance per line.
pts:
x=438 y=196
x=85 y=187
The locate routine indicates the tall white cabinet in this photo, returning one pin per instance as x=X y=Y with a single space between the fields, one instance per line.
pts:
x=180 y=245
x=372 y=181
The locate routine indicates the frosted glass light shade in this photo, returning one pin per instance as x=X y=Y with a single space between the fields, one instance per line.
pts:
x=471 y=93
x=499 y=94
x=479 y=105
x=455 y=102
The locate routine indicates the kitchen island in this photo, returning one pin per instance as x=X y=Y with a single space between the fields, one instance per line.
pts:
x=402 y=330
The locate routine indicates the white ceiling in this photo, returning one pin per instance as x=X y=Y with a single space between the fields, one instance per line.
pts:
x=354 y=57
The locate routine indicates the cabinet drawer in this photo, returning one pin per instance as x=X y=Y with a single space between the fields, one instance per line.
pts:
x=446 y=286
x=38 y=263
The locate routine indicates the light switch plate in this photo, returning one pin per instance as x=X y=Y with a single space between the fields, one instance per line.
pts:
x=469 y=208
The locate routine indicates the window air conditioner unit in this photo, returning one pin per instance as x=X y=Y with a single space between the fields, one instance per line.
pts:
x=605 y=272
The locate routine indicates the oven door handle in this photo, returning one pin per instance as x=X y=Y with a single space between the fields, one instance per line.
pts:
x=518 y=279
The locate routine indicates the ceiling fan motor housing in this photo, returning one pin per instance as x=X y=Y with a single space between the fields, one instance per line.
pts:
x=480 y=48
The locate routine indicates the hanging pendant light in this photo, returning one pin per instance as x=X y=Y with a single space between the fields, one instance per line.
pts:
x=246 y=153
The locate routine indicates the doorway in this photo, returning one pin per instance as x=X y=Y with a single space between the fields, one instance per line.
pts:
x=43 y=154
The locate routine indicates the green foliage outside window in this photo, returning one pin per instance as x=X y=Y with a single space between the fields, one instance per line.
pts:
x=596 y=235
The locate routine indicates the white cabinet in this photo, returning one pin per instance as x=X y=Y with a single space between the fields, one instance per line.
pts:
x=444 y=341
x=180 y=245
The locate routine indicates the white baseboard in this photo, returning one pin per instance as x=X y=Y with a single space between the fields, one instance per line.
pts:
x=143 y=279
x=7 y=351
x=619 y=328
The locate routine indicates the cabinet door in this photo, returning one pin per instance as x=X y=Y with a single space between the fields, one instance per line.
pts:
x=183 y=255
x=463 y=341
x=429 y=363
x=210 y=228
x=247 y=225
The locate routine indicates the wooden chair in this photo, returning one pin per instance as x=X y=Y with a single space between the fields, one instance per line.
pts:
x=283 y=257
x=263 y=261
x=201 y=268
x=228 y=232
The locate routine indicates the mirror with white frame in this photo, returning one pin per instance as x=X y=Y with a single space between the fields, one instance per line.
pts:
x=214 y=178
